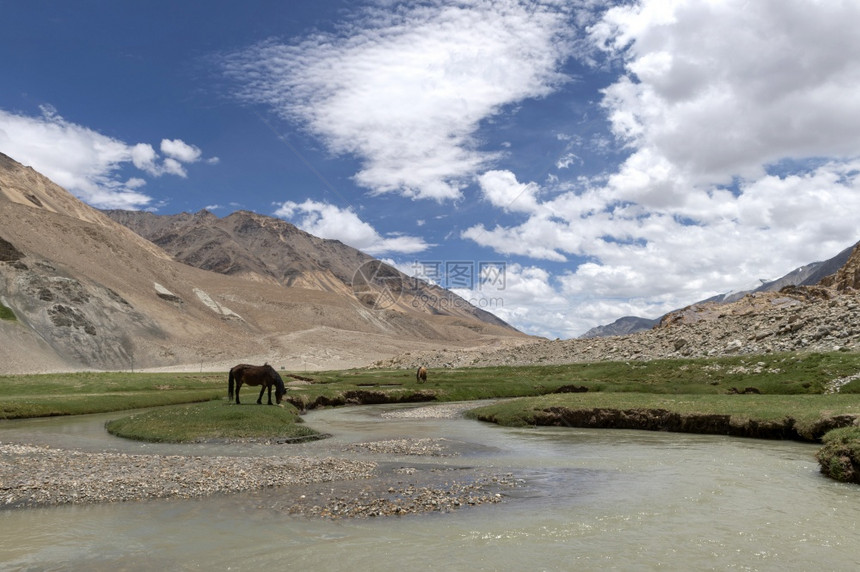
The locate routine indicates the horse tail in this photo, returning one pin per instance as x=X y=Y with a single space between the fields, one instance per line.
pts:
x=230 y=385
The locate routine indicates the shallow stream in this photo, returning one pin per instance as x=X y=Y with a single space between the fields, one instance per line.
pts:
x=589 y=500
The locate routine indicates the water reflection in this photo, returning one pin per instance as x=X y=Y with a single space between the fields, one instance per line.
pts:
x=593 y=499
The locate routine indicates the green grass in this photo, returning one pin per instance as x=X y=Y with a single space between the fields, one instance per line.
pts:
x=806 y=410
x=93 y=392
x=790 y=386
x=778 y=374
x=214 y=420
x=7 y=313
x=47 y=395
x=839 y=458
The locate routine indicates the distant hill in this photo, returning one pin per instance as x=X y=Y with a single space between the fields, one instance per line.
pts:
x=621 y=327
x=807 y=275
x=80 y=291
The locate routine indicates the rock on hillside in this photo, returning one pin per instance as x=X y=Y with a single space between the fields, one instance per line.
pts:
x=795 y=319
x=87 y=292
x=847 y=278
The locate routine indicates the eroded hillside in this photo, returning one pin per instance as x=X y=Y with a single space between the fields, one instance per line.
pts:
x=87 y=292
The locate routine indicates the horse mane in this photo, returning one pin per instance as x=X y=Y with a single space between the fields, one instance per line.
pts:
x=279 y=382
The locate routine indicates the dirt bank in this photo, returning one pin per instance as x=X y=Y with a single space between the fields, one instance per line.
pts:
x=664 y=420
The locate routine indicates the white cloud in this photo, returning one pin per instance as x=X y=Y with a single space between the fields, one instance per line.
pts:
x=172 y=166
x=405 y=90
x=180 y=150
x=84 y=161
x=329 y=221
x=720 y=89
x=525 y=296
x=658 y=259
x=143 y=156
x=503 y=190
x=744 y=133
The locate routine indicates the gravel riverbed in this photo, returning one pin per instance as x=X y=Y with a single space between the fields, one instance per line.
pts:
x=37 y=476
x=334 y=487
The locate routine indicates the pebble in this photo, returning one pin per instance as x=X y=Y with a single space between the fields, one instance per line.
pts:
x=416 y=447
x=406 y=499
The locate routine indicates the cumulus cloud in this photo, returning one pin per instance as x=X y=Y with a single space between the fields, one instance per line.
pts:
x=721 y=89
x=330 y=221
x=86 y=162
x=180 y=150
x=524 y=296
x=405 y=90
x=655 y=260
x=503 y=190
x=743 y=130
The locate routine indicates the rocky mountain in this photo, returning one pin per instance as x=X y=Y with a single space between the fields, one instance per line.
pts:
x=807 y=275
x=270 y=250
x=823 y=317
x=80 y=291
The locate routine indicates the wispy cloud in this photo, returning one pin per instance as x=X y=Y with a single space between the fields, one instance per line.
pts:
x=405 y=89
x=88 y=163
x=329 y=221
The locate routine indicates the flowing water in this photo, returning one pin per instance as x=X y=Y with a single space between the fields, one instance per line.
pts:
x=590 y=500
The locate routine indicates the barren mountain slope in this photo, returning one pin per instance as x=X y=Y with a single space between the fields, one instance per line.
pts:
x=806 y=275
x=87 y=292
x=824 y=317
x=268 y=249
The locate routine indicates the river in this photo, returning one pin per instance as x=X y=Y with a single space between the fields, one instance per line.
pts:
x=588 y=500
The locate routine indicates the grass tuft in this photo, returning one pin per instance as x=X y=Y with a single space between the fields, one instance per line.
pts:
x=6 y=313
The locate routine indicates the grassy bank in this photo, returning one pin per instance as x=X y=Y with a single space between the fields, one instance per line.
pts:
x=23 y=396
x=779 y=374
x=213 y=420
x=802 y=417
x=840 y=457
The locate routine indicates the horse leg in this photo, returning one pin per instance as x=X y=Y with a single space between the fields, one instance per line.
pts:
x=270 y=394
x=260 y=399
x=238 y=387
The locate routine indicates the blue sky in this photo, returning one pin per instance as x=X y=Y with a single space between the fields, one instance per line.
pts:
x=613 y=158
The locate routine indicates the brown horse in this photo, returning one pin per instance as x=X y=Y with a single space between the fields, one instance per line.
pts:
x=421 y=374
x=264 y=375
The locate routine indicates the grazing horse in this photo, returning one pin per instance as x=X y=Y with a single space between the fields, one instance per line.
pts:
x=264 y=375
x=421 y=374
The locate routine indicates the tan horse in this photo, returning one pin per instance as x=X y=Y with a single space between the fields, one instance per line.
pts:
x=421 y=374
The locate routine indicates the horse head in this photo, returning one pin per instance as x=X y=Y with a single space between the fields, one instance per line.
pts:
x=280 y=388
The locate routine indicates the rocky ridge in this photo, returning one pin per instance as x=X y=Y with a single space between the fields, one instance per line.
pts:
x=797 y=318
x=807 y=275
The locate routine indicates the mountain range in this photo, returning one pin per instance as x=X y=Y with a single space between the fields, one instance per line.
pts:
x=806 y=275
x=86 y=289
